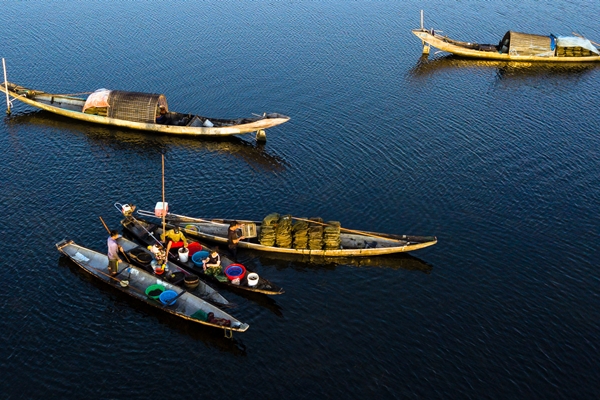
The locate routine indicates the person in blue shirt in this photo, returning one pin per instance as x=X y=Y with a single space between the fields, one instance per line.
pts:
x=161 y=118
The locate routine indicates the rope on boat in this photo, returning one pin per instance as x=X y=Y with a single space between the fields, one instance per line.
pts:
x=119 y=207
x=73 y=94
x=230 y=334
x=183 y=218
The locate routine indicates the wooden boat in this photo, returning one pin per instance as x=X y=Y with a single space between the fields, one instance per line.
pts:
x=142 y=257
x=139 y=111
x=147 y=233
x=516 y=46
x=346 y=242
x=143 y=286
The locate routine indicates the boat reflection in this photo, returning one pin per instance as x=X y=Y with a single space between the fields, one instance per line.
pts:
x=149 y=144
x=303 y=262
x=427 y=67
x=210 y=336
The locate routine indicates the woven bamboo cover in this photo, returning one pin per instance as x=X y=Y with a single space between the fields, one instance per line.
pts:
x=525 y=44
x=134 y=106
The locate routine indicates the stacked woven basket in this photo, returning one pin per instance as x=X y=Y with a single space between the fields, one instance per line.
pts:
x=267 y=230
x=573 y=52
x=282 y=231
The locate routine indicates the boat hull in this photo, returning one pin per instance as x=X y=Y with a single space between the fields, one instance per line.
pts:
x=353 y=244
x=186 y=305
x=441 y=43
x=70 y=107
x=203 y=290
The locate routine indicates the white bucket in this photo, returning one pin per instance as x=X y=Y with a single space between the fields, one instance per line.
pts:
x=252 y=279
x=208 y=124
x=183 y=254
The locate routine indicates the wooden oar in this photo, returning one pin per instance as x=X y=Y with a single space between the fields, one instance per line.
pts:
x=348 y=230
x=176 y=297
x=108 y=230
x=114 y=277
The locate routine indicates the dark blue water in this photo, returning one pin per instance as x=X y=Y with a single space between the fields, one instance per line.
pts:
x=500 y=161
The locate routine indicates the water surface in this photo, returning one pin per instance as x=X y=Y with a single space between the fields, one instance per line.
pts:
x=499 y=161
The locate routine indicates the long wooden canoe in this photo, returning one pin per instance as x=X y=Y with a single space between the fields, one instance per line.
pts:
x=516 y=46
x=352 y=243
x=135 y=282
x=139 y=111
x=142 y=257
x=147 y=233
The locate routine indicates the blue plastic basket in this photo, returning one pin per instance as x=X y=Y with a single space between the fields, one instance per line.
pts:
x=198 y=257
x=167 y=296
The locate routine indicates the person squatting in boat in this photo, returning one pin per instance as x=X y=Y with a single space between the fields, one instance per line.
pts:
x=174 y=238
x=212 y=263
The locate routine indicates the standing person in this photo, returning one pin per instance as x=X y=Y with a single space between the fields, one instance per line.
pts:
x=113 y=252
x=234 y=235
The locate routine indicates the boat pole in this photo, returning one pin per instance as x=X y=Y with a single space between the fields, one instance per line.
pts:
x=363 y=233
x=6 y=87
x=164 y=211
x=425 y=45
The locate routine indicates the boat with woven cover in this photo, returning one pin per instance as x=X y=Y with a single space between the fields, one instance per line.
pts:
x=516 y=46
x=151 y=290
x=139 y=111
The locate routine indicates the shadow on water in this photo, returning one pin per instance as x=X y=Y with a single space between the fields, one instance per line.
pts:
x=253 y=153
x=210 y=336
x=305 y=262
x=427 y=67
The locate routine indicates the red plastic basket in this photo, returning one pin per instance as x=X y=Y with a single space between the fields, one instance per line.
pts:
x=235 y=271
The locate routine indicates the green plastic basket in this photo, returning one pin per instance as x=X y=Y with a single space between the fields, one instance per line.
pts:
x=156 y=291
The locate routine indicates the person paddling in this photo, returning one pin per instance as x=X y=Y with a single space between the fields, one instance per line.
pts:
x=113 y=252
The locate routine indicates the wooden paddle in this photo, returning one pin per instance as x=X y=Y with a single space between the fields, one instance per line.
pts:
x=108 y=230
x=176 y=297
x=114 y=277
